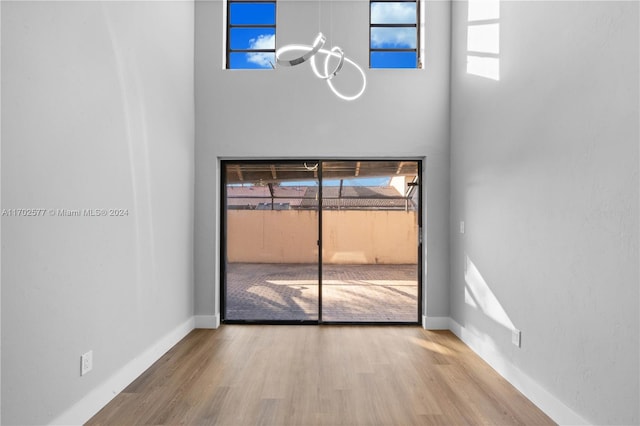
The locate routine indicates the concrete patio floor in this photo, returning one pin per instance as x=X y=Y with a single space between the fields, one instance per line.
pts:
x=350 y=293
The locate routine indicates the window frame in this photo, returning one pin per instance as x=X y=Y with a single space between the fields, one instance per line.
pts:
x=416 y=25
x=231 y=26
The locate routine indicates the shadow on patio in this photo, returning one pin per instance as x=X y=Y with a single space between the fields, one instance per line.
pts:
x=350 y=293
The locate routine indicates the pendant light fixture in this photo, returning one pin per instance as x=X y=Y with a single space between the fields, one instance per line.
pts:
x=310 y=52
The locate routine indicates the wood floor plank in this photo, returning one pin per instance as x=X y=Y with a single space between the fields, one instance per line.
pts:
x=320 y=375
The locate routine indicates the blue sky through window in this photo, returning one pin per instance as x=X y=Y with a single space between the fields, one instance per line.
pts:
x=393 y=38
x=393 y=27
x=251 y=27
x=253 y=38
x=393 y=12
x=252 y=14
x=257 y=60
x=394 y=60
x=368 y=181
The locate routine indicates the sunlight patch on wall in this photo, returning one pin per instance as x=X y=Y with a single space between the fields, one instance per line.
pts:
x=479 y=295
x=483 y=38
x=482 y=10
x=483 y=67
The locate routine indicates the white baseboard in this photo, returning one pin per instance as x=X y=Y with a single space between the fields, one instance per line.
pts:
x=436 y=323
x=207 y=321
x=551 y=405
x=95 y=400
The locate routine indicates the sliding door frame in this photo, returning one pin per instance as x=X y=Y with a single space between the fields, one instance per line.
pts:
x=223 y=242
x=419 y=267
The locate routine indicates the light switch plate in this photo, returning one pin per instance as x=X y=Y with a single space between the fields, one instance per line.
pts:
x=86 y=363
x=516 y=336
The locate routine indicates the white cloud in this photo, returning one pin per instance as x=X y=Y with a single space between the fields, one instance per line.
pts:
x=393 y=37
x=264 y=41
x=393 y=13
x=264 y=60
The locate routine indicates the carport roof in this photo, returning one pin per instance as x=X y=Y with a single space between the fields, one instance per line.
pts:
x=267 y=172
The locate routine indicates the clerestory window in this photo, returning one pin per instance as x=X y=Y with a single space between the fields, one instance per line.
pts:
x=394 y=40
x=251 y=34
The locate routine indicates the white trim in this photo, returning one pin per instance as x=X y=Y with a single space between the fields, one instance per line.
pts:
x=548 y=403
x=436 y=323
x=207 y=321
x=95 y=400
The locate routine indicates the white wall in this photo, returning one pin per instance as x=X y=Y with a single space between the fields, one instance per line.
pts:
x=288 y=113
x=0 y=220
x=97 y=112
x=545 y=175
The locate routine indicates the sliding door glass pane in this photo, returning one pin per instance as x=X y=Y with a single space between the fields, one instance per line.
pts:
x=271 y=223
x=370 y=241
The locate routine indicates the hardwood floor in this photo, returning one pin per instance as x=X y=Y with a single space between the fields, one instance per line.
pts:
x=320 y=375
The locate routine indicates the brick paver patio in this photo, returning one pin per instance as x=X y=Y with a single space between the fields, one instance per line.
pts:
x=350 y=293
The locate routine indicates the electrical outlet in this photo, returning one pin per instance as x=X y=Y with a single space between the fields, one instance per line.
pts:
x=462 y=226
x=516 y=336
x=86 y=363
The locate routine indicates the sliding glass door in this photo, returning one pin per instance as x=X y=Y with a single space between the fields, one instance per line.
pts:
x=370 y=241
x=271 y=251
x=321 y=241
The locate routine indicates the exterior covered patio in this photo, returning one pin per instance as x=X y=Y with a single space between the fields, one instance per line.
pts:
x=350 y=293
